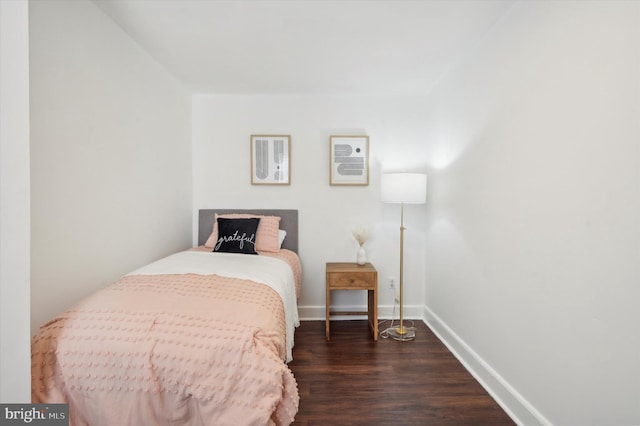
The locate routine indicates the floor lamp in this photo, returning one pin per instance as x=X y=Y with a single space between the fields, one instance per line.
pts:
x=403 y=188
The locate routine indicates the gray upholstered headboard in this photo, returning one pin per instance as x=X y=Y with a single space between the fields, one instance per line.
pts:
x=288 y=222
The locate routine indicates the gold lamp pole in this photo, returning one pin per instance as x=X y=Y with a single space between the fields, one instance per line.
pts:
x=403 y=188
x=401 y=333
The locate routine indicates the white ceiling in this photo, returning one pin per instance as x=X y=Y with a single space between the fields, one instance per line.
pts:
x=307 y=46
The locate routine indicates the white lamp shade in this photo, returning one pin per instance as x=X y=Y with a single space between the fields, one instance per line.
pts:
x=408 y=188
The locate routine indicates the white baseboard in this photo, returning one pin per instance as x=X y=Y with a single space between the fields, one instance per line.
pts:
x=517 y=407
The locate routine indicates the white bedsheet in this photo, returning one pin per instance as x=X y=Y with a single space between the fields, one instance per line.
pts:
x=262 y=269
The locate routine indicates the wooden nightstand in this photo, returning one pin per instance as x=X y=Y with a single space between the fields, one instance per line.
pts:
x=351 y=276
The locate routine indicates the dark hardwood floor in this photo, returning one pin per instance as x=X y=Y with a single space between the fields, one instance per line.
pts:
x=352 y=380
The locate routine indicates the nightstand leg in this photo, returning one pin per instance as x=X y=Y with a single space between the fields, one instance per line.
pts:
x=375 y=315
x=327 y=313
x=372 y=305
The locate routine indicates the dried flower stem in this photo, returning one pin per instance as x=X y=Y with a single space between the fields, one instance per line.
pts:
x=361 y=235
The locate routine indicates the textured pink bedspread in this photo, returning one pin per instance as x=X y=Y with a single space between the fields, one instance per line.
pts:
x=169 y=350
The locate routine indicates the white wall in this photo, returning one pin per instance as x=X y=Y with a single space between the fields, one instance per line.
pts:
x=222 y=126
x=110 y=156
x=533 y=244
x=15 y=367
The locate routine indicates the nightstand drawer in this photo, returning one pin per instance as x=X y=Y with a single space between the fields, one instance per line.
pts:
x=351 y=280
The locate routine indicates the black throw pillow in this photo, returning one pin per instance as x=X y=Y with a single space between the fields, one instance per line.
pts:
x=237 y=235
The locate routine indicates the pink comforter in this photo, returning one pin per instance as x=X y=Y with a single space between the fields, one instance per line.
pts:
x=169 y=349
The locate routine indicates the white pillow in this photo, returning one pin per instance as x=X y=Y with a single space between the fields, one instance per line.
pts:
x=281 y=235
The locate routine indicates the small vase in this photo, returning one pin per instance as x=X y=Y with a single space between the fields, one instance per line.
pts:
x=362 y=256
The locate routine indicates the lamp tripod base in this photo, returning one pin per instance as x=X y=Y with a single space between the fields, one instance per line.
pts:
x=402 y=334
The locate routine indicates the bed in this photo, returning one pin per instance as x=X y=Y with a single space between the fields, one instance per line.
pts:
x=197 y=338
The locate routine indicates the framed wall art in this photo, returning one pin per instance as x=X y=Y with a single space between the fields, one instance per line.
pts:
x=270 y=159
x=349 y=160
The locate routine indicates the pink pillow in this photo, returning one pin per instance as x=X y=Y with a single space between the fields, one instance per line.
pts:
x=267 y=238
